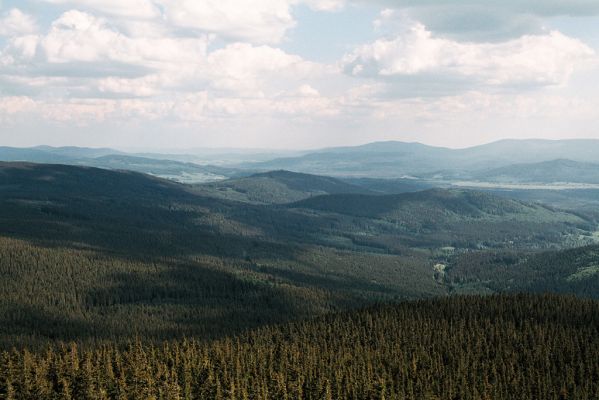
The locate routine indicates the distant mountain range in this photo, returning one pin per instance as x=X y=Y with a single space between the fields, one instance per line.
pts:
x=506 y=161
x=185 y=172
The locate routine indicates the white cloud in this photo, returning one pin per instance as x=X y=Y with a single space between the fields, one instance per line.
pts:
x=258 y=21
x=307 y=91
x=15 y=104
x=15 y=23
x=325 y=5
x=238 y=70
x=80 y=37
x=244 y=68
x=79 y=46
x=121 y=8
x=417 y=55
x=217 y=66
x=84 y=57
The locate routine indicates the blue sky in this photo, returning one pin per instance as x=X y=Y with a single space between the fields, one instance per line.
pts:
x=296 y=73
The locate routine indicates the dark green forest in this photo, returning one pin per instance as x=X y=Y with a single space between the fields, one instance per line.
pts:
x=496 y=347
x=92 y=255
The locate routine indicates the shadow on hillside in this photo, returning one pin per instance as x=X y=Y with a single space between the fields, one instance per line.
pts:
x=192 y=300
x=164 y=302
x=32 y=326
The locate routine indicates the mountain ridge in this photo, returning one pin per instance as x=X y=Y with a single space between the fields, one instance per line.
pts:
x=400 y=159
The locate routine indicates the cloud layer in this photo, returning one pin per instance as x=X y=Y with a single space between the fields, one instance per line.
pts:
x=416 y=54
x=220 y=65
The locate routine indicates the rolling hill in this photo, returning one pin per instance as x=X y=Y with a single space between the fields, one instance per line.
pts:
x=547 y=172
x=277 y=187
x=436 y=206
x=456 y=218
x=91 y=254
x=392 y=186
x=73 y=152
x=12 y=154
x=168 y=169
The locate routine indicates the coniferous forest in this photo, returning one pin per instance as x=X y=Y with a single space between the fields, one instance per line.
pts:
x=496 y=347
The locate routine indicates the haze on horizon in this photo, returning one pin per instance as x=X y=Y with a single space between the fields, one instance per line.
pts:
x=296 y=74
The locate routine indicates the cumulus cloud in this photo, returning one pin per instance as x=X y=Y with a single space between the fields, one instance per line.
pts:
x=325 y=5
x=15 y=23
x=416 y=58
x=122 y=8
x=243 y=67
x=263 y=21
x=257 y=21
x=80 y=45
x=83 y=56
x=78 y=36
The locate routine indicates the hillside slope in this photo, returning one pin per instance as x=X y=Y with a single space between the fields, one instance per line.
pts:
x=91 y=254
x=570 y=271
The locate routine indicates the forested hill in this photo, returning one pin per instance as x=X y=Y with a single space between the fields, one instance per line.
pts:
x=571 y=271
x=97 y=208
x=89 y=254
x=100 y=207
x=445 y=204
x=64 y=181
x=277 y=187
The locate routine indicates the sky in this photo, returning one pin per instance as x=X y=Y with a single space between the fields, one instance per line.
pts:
x=296 y=74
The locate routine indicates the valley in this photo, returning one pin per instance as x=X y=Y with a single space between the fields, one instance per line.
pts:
x=98 y=256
